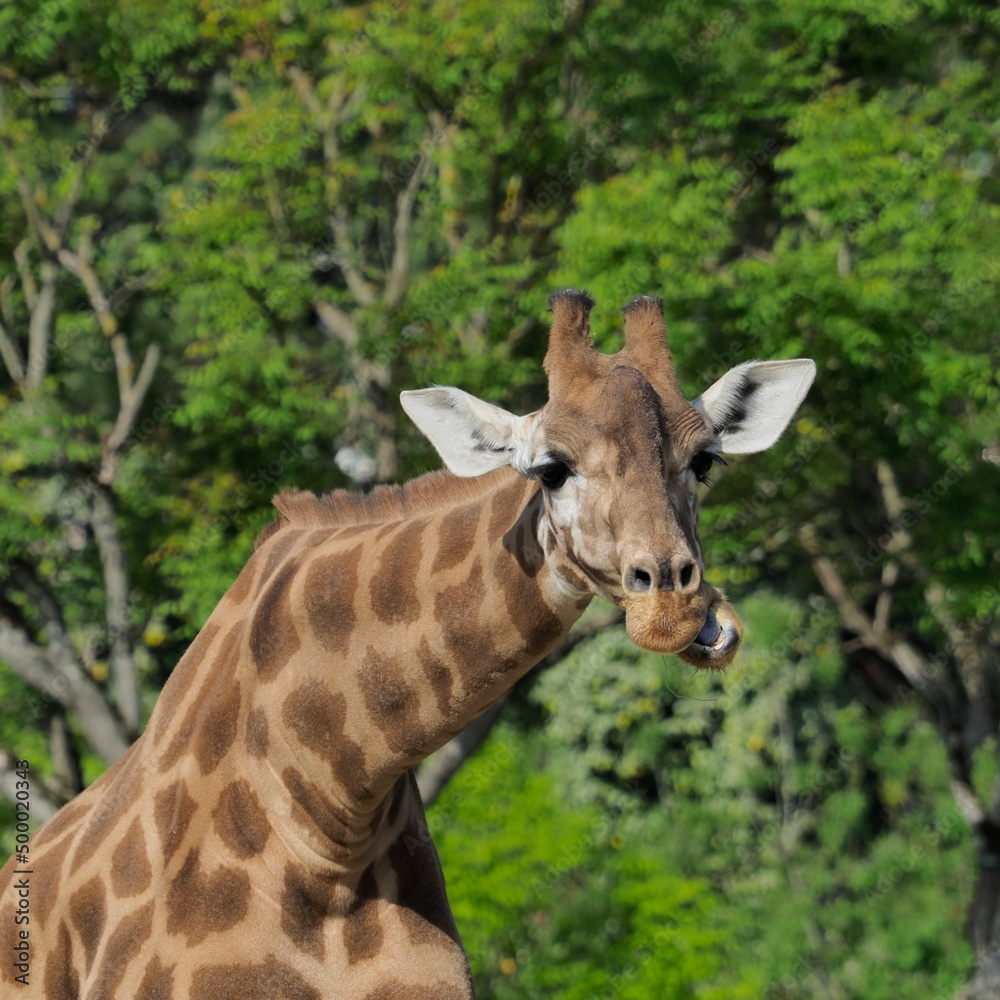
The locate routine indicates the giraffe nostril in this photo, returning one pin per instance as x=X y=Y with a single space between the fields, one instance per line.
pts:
x=687 y=571
x=639 y=579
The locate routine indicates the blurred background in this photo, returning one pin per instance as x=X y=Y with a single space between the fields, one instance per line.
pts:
x=232 y=230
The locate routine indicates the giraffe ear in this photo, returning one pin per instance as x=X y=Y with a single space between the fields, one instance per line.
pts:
x=751 y=404
x=471 y=436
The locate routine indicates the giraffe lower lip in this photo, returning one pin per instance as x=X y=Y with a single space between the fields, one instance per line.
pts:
x=716 y=644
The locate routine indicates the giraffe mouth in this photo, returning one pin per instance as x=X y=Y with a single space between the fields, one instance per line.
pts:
x=702 y=630
x=717 y=642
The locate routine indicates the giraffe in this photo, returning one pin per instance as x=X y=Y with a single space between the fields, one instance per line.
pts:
x=264 y=838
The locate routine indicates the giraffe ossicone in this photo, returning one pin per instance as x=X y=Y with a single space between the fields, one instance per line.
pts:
x=264 y=838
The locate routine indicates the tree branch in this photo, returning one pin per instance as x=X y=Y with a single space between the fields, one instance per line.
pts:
x=338 y=323
x=326 y=121
x=128 y=409
x=40 y=327
x=398 y=278
x=116 y=588
x=64 y=682
x=11 y=356
x=59 y=645
x=910 y=663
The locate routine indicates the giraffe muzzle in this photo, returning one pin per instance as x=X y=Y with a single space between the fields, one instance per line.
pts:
x=701 y=628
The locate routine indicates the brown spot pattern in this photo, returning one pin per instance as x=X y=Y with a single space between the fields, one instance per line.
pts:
x=394 y=595
x=273 y=639
x=306 y=902
x=157 y=982
x=88 y=911
x=240 y=590
x=317 y=718
x=258 y=738
x=181 y=681
x=240 y=820
x=217 y=732
x=331 y=587
x=507 y=505
x=439 y=677
x=270 y=980
x=200 y=904
x=173 y=809
x=521 y=539
x=456 y=536
x=466 y=637
x=362 y=928
x=61 y=979
x=312 y=811
x=130 y=869
x=537 y=624
x=120 y=785
x=279 y=550
x=63 y=820
x=394 y=705
x=47 y=880
x=210 y=721
x=124 y=944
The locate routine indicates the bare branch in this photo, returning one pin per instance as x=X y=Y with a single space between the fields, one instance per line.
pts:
x=968 y=803
x=59 y=644
x=27 y=278
x=78 y=263
x=66 y=683
x=326 y=121
x=116 y=589
x=337 y=323
x=64 y=214
x=399 y=271
x=349 y=258
x=11 y=357
x=128 y=409
x=40 y=327
x=132 y=388
x=910 y=663
x=27 y=660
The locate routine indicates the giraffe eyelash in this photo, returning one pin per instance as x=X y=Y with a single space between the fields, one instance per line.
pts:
x=702 y=464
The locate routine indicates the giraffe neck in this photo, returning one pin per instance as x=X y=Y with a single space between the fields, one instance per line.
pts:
x=345 y=654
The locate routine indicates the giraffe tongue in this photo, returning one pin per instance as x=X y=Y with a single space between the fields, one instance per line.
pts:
x=718 y=640
x=711 y=632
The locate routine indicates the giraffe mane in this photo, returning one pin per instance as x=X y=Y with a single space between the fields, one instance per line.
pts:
x=345 y=509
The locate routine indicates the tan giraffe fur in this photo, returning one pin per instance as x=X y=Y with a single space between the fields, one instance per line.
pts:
x=264 y=838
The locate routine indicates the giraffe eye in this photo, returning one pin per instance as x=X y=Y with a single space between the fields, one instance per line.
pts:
x=702 y=463
x=554 y=474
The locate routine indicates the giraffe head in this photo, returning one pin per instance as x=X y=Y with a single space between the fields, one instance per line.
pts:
x=620 y=455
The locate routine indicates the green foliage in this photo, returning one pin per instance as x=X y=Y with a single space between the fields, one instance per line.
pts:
x=556 y=901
